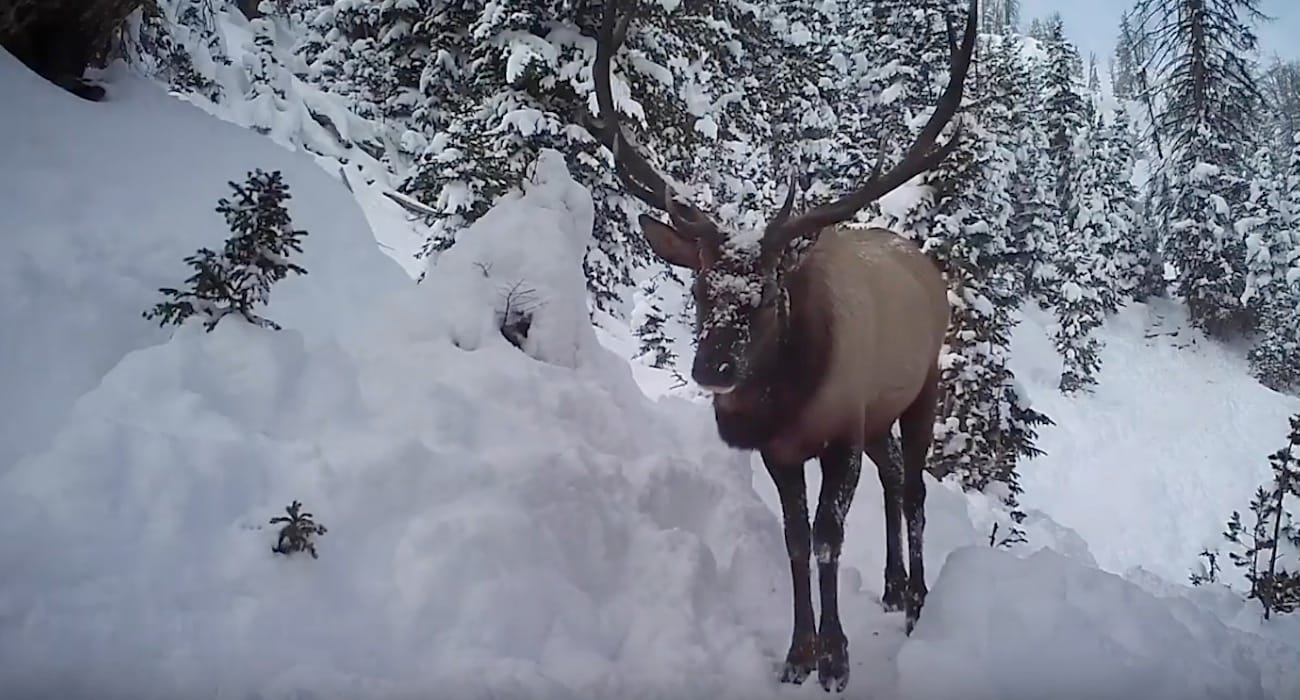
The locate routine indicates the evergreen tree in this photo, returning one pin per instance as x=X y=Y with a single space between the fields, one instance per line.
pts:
x=1124 y=80
x=1123 y=256
x=1035 y=211
x=657 y=325
x=1207 y=569
x=345 y=59
x=176 y=41
x=1200 y=55
x=1000 y=17
x=986 y=425
x=1066 y=118
x=829 y=107
x=1075 y=291
x=1272 y=240
x=256 y=257
x=269 y=81
x=1266 y=551
x=1280 y=85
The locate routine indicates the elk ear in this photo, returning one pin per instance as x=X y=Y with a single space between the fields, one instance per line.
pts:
x=671 y=246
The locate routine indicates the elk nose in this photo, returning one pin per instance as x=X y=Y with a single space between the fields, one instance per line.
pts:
x=717 y=377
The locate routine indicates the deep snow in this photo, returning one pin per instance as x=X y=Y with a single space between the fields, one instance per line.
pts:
x=501 y=522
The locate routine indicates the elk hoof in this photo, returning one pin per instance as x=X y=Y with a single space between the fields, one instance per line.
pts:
x=796 y=673
x=833 y=665
x=800 y=662
x=915 y=601
x=892 y=600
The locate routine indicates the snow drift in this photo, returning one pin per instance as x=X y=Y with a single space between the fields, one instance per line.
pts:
x=502 y=521
x=100 y=203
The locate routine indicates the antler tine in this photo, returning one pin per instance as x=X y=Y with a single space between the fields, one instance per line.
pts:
x=784 y=213
x=920 y=157
x=637 y=175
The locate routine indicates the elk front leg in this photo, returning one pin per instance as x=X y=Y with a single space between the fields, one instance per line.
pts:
x=841 y=464
x=789 y=479
x=883 y=451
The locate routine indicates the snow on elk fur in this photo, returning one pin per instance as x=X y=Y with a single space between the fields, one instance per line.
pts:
x=814 y=353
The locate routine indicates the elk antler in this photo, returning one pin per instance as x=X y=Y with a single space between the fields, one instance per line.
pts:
x=922 y=155
x=636 y=173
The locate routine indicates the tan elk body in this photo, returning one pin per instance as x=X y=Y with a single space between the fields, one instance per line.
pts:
x=815 y=339
x=874 y=295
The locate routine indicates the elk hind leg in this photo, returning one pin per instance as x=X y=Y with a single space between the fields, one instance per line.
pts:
x=917 y=428
x=884 y=451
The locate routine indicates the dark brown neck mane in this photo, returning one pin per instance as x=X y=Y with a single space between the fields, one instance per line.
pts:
x=786 y=379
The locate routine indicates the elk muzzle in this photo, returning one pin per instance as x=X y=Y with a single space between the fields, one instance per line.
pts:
x=717 y=361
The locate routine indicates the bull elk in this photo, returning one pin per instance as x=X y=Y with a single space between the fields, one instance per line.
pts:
x=814 y=350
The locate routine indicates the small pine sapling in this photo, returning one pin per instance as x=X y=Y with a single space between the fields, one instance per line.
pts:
x=1250 y=543
x=516 y=316
x=255 y=257
x=1279 y=589
x=1273 y=540
x=297 y=533
x=1207 y=569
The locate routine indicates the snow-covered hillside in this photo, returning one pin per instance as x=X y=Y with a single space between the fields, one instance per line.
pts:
x=1175 y=438
x=100 y=202
x=501 y=522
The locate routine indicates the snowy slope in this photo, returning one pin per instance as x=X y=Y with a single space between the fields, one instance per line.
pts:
x=1176 y=437
x=502 y=523
x=100 y=203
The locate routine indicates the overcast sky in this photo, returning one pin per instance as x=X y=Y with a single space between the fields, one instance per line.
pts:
x=1093 y=24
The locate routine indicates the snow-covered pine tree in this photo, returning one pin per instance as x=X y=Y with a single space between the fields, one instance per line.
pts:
x=1207 y=569
x=1000 y=17
x=269 y=81
x=1123 y=255
x=176 y=41
x=1032 y=243
x=985 y=424
x=1064 y=113
x=1271 y=229
x=1280 y=84
x=1123 y=67
x=1079 y=217
x=1200 y=54
x=1078 y=305
x=1153 y=204
x=344 y=59
x=255 y=257
x=824 y=105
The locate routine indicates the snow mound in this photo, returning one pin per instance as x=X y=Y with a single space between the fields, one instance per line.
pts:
x=100 y=203
x=523 y=261
x=1007 y=628
x=496 y=525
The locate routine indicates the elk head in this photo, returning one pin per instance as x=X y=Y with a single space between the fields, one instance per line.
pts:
x=742 y=306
